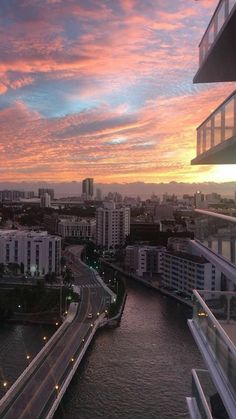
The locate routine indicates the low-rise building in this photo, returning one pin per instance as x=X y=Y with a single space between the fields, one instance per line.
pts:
x=185 y=272
x=38 y=253
x=143 y=260
x=82 y=228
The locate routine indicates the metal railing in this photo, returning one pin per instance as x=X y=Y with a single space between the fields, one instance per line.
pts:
x=208 y=307
x=202 y=391
x=219 y=127
x=219 y=17
x=217 y=232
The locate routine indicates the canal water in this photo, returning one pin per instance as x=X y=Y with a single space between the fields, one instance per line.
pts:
x=140 y=370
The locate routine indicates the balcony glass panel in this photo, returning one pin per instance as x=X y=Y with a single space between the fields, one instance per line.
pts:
x=200 y=142
x=213 y=131
x=220 y=17
x=214 y=314
x=223 y=10
x=229 y=119
x=231 y=4
x=206 y=396
x=208 y=135
x=218 y=234
x=217 y=128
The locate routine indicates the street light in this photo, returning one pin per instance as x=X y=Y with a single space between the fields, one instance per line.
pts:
x=45 y=338
x=28 y=357
x=5 y=384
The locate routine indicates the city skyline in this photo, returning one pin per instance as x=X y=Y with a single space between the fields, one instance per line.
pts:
x=104 y=87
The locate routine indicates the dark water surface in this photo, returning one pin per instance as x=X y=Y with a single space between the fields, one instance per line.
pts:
x=140 y=370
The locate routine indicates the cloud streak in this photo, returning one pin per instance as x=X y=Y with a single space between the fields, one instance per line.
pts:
x=102 y=89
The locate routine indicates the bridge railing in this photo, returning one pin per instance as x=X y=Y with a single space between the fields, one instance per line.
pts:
x=15 y=389
x=48 y=412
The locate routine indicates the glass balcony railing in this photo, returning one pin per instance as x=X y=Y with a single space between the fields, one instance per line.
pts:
x=217 y=232
x=204 y=393
x=220 y=16
x=219 y=127
x=214 y=315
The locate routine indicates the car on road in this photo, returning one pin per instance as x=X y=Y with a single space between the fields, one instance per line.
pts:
x=90 y=315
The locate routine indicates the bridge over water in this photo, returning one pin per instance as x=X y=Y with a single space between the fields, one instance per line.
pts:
x=40 y=388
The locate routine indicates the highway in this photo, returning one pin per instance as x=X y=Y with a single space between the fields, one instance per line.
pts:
x=40 y=391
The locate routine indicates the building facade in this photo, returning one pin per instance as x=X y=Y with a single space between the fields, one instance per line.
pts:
x=213 y=324
x=77 y=227
x=144 y=261
x=87 y=188
x=39 y=252
x=184 y=272
x=43 y=191
x=112 y=225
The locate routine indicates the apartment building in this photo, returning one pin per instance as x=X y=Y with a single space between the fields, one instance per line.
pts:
x=39 y=252
x=184 y=272
x=144 y=261
x=213 y=325
x=112 y=225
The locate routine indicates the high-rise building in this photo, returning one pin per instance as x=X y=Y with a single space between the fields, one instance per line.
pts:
x=112 y=225
x=45 y=201
x=39 y=253
x=49 y=191
x=87 y=188
x=213 y=325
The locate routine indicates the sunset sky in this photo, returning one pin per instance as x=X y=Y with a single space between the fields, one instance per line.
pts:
x=103 y=88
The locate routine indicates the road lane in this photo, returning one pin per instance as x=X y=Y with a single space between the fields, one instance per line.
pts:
x=41 y=387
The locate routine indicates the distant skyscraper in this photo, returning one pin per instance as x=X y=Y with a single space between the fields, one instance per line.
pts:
x=49 y=191
x=45 y=201
x=87 y=188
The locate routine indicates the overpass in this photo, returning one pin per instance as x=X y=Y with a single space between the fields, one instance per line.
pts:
x=38 y=391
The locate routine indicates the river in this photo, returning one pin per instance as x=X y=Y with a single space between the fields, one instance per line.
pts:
x=140 y=370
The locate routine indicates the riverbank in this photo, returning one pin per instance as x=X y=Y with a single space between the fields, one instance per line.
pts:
x=34 y=304
x=148 y=283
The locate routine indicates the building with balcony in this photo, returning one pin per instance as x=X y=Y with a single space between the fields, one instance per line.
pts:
x=184 y=272
x=216 y=136
x=112 y=225
x=213 y=325
x=37 y=252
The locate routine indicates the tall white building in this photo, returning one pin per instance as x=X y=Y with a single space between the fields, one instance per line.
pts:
x=112 y=225
x=39 y=252
x=77 y=227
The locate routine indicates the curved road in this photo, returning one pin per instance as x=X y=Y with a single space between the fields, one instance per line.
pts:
x=38 y=394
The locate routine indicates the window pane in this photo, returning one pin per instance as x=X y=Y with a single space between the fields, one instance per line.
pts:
x=208 y=135
x=229 y=119
x=217 y=128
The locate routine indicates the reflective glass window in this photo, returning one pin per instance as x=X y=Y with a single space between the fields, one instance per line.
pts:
x=229 y=119
x=217 y=128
